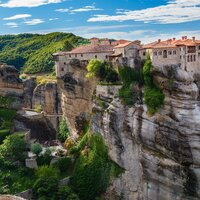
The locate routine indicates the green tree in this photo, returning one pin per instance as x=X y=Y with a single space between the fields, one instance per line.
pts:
x=93 y=67
x=63 y=131
x=13 y=148
x=36 y=148
x=46 y=184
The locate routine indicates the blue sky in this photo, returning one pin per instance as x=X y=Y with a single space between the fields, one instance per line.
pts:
x=146 y=20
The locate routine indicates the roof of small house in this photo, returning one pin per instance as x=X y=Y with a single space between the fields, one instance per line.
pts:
x=172 y=43
x=125 y=44
x=92 y=48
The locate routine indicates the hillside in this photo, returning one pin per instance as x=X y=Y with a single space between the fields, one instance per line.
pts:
x=32 y=53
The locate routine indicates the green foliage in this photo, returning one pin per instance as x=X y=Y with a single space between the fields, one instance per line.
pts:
x=36 y=148
x=46 y=184
x=44 y=159
x=13 y=148
x=14 y=179
x=38 y=108
x=63 y=131
x=103 y=70
x=130 y=77
x=5 y=102
x=153 y=98
x=153 y=95
x=33 y=52
x=66 y=193
x=3 y=134
x=63 y=164
x=91 y=175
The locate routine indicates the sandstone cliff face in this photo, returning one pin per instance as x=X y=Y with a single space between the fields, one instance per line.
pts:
x=47 y=96
x=11 y=85
x=76 y=92
x=160 y=154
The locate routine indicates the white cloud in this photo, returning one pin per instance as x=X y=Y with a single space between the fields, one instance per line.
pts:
x=83 y=9
x=34 y=22
x=12 y=24
x=175 y=11
x=27 y=3
x=53 y=19
x=19 y=16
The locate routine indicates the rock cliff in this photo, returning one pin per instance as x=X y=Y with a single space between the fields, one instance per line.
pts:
x=160 y=153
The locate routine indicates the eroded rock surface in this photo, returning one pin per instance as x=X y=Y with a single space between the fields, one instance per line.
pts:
x=160 y=154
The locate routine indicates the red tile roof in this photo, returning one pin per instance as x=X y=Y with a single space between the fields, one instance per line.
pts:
x=92 y=48
x=172 y=43
x=126 y=44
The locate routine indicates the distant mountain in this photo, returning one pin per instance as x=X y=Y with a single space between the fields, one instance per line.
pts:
x=32 y=53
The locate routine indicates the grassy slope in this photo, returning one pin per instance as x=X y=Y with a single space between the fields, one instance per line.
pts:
x=33 y=52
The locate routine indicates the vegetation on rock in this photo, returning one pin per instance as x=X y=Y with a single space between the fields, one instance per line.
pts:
x=63 y=131
x=36 y=148
x=131 y=78
x=153 y=95
x=102 y=70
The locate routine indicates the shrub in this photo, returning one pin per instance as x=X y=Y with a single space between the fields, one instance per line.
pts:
x=45 y=159
x=36 y=148
x=153 y=98
x=3 y=134
x=65 y=192
x=63 y=164
x=38 y=108
x=91 y=173
x=130 y=77
x=153 y=95
x=13 y=148
x=63 y=131
x=46 y=185
x=103 y=70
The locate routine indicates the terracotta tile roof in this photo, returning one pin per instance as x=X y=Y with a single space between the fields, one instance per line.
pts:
x=92 y=48
x=172 y=43
x=125 y=44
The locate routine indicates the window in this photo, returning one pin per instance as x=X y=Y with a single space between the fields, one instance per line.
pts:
x=169 y=52
x=155 y=53
x=194 y=58
x=165 y=54
x=188 y=58
x=191 y=58
x=76 y=55
x=64 y=63
x=199 y=47
x=62 y=69
x=174 y=52
x=95 y=56
x=70 y=55
x=192 y=49
x=81 y=55
x=106 y=57
x=144 y=53
x=160 y=53
x=180 y=57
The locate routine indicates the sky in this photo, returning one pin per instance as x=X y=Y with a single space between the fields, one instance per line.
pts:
x=145 y=20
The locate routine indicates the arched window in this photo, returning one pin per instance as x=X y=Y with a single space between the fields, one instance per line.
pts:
x=165 y=54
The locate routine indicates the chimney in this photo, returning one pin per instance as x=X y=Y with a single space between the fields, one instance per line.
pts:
x=193 y=39
x=94 y=40
x=159 y=40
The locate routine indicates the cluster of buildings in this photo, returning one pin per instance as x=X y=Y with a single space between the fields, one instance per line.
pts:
x=184 y=52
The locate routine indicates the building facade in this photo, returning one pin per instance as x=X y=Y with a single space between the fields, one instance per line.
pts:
x=119 y=52
x=184 y=52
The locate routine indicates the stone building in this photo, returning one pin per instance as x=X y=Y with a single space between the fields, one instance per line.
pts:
x=184 y=52
x=120 y=52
